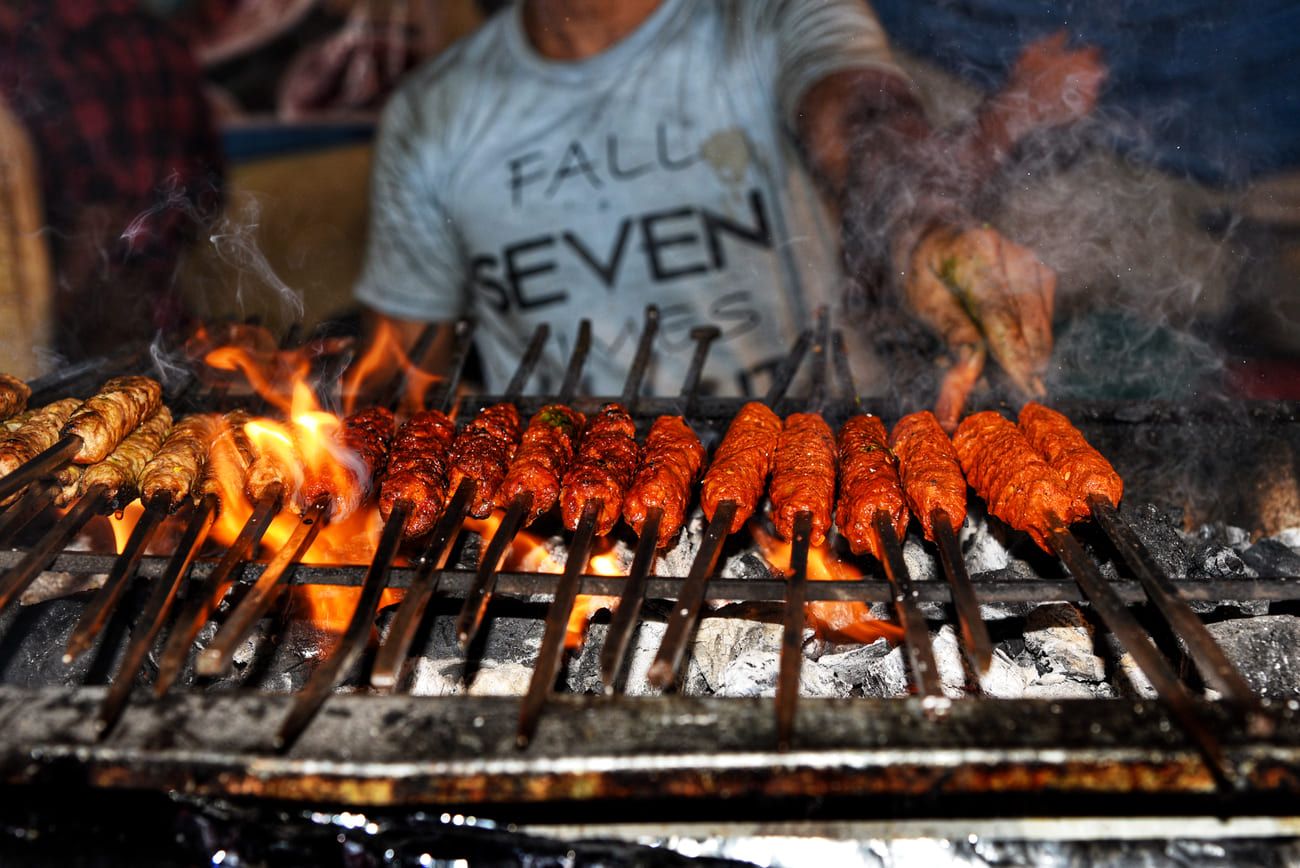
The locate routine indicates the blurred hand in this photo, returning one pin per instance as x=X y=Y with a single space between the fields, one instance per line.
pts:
x=1051 y=85
x=978 y=290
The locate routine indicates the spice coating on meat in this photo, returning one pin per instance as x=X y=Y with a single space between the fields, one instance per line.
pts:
x=869 y=484
x=276 y=460
x=69 y=482
x=603 y=470
x=363 y=451
x=120 y=471
x=803 y=475
x=229 y=458
x=1066 y=451
x=121 y=405
x=417 y=470
x=38 y=433
x=929 y=470
x=13 y=396
x=742 y=463
x=177 y=467
x=483 y=452
x=552 y=436
x=669 y=467
x=1016 y=483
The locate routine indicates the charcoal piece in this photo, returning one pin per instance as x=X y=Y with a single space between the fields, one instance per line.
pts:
x=949 y=661
x=1060 y=639
x=1158 y=529
x=1267 y=651
x=853 y=670
x=889 y=676
x=1006 y=678
x=1268 y=557
x=1214 y=561
x=721 y=640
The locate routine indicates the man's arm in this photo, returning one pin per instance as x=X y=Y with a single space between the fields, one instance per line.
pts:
x=902 y=190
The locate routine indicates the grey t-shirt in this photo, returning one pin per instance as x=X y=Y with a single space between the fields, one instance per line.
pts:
x=521 y=190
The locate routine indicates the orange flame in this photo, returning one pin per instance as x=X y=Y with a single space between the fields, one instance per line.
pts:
x=833 y=620
x=123 y=523
x=604 y=563
x=384 y=356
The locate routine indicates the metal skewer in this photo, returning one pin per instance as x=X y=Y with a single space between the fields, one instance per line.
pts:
x=557 y=621
x=916 y=636
x=480 y=592
x=1213 y=664
x=321 y=683
x=96 y=614
x=411 y=611
x=704 y=336
x=21 y=513
x=214 y=659
x=624 y=620
x=205 y=598
x=1121 y=623
x=681 y=624
x=636 y=373
x=40 y=465
x=974 y=632
x=150 y=623
x=787 y=680
x=17 y=580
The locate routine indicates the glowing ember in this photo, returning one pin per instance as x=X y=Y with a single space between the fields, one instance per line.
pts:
x=834 y=621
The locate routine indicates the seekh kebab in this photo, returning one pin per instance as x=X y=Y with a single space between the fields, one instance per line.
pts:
x=603 y=469
x=13 y=396
x=672 y=460
x=869 y=484
x=742 y=464
x=803 y=475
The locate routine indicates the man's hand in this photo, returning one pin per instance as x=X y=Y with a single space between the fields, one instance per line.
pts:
x=1049 y=86
x=977 y=289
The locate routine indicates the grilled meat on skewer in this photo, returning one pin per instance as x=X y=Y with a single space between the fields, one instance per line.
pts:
x=929 y=470
x=1016 y=483
x=38 y=433
x=603 y=469
x=177 y=468
x=230 y=457
x=121 y=405
x=364 y=441
x=670 y=465
x=742 y=463
x=869 y=484
x=119 y=473
x=276 y=461
x=548 y=445
x=803 y=475
x=417 y=470
x=13 y=423
x=483 y=452
x=69 y=481
x=13 y=396
x=1066 y=451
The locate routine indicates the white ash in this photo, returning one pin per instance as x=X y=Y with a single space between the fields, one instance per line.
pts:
x=1267 y=651
x=1060 y=640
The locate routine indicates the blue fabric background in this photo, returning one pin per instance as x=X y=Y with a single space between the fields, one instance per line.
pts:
x=1215 y=86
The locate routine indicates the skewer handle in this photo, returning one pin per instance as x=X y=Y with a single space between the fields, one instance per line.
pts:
x=217 y=656
x=205 y=598
x=480 y=593
x=974 y=632
x=787 y=680
x=916 y=635
x=40 y=465
x=38 y=558
x=681 y=624
x=623 y=623
x=150 y=623
x=551 y=653
x=322 y=681
x=101 y=607
x=409 y=615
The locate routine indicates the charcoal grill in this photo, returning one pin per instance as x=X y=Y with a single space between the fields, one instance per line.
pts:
x=622 y=758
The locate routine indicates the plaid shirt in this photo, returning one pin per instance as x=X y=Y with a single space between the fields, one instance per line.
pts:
x=113 y=102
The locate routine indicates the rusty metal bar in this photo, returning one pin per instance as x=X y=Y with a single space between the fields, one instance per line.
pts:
x=621 y=626
x=41 y=464
x=97 y=612
x=636 y=373
x=551 y=652
x=38 y=558
x=21 y=513
x=916 y=635
x=345 y=654
x=974 y=632
x=480 y=592
x=214 y=659
x=787 y=681
x=573 y=373
x=686 y=611
x=411 y=612
x=150 y=622
x=206 y=592
x=703 y=336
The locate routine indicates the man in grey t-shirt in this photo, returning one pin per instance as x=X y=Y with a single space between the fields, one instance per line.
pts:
x=568 y=161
